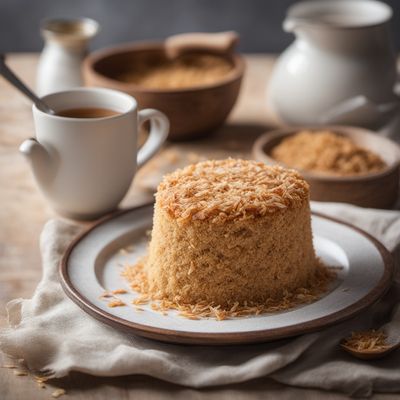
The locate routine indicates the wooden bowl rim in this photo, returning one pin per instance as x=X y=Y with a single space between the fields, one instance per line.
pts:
x=259 y=153
x=98 y=55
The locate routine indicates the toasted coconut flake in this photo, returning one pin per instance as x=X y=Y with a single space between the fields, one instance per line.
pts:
x=137 y=278
x=232 y=189
x=327 y=152
x=105 y=295
x=119 y=291
x=367 y=340
x=116 y=303
x=41 y=378
x=143 y=299
x=58 y=393
x=18 y=372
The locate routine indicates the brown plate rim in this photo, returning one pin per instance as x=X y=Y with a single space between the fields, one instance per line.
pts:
x=200 y=338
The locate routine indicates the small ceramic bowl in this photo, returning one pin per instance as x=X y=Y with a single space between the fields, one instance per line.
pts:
x=192 y=112
x=375 y=190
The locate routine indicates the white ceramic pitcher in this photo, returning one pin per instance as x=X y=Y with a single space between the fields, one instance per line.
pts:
x=340 y=69
x=66 y=43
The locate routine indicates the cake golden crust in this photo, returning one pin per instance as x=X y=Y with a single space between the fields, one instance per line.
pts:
x=238 y=261
x=230 y=238
x=228 y=190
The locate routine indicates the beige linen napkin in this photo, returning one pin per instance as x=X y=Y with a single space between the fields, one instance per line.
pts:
x=53 y=334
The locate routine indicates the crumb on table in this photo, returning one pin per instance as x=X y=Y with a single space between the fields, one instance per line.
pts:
x=58 y=393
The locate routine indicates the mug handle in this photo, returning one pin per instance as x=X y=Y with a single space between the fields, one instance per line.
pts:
x=159 y=128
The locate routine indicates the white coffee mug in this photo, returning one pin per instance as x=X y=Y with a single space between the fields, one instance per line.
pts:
x=84 y=166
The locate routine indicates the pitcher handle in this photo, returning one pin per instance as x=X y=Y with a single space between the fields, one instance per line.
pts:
x=159 y=127
x=357 y=108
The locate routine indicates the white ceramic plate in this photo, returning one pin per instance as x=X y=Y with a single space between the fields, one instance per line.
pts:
x=92 y=265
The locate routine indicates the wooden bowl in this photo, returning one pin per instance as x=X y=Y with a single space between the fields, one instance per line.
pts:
x=375 y=190
x=193 y=112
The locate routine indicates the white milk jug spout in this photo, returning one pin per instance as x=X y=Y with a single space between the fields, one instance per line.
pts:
x=292 y=24
x=42 y=164
x=341 y=62
x=66 y=43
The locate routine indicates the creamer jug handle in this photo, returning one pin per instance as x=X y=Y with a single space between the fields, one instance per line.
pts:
x=358 y=108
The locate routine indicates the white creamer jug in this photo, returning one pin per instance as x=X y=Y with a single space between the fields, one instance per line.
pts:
x=340 y=69
x=66 y=42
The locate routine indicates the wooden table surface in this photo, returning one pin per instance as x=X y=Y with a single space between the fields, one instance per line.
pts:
x=23 y=212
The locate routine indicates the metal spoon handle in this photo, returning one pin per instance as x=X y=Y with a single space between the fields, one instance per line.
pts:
x=16 y=82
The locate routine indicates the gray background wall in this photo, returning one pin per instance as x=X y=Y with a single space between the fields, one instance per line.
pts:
x=258 y=21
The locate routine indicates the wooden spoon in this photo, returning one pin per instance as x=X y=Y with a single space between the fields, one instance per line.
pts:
x=371 y=354
x=391 y=329
x=222 y=43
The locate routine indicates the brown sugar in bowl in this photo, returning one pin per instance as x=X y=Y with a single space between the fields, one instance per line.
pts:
x=192 y=111
x=373 y=190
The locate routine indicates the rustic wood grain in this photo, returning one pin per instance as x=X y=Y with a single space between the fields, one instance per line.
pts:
x=23 y=213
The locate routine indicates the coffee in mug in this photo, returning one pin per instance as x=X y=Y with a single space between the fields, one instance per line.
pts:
x=87 y=112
